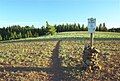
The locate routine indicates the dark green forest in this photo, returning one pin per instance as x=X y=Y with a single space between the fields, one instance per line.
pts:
x=17 y=31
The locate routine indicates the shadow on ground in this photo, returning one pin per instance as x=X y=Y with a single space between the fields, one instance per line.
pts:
x=59 y=72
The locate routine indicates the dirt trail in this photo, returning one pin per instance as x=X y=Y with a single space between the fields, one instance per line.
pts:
x=57 y=70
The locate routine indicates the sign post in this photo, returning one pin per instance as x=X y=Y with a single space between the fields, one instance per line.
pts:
x=91 y=29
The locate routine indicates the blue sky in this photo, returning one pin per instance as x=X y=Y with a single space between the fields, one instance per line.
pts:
x=36 y=12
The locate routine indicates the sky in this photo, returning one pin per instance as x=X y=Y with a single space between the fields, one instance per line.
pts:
x=37 y=12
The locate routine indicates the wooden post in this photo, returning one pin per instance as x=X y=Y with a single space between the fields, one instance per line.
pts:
x=91 y=39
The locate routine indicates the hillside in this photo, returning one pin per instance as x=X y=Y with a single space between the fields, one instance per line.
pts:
x=59 y=58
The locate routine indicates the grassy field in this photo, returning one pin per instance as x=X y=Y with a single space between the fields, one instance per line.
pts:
x=59 y=60
x=78 y=35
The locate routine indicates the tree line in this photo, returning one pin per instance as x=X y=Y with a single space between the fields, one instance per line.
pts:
x=78 y=27
x=17 y=31
x=114 y=30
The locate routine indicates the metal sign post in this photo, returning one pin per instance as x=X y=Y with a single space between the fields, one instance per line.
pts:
x=91 y=29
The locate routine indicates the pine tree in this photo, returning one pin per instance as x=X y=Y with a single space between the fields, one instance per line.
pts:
x=79 y=26
x=100 y=27
x=67 y=27
x=47 y=27
x=62 y=27
x=74 y=27
x=15 y=35
x=36 y=34
x=97 y=29
x=12 y=35
x=83 y=28
x=50 y=30
x=104 y=27
x=19 y=35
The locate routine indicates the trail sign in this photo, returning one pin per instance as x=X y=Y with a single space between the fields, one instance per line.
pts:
x=91 y=25
x=91 y=29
